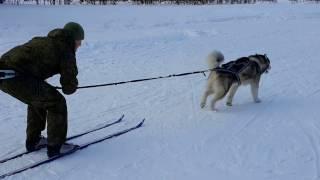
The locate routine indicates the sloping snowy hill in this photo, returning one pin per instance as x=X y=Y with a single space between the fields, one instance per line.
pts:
x=278 y=139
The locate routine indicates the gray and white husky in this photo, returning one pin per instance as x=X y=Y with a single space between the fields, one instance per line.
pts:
x=228 y=77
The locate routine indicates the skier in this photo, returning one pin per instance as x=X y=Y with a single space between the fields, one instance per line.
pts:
x=23 y=73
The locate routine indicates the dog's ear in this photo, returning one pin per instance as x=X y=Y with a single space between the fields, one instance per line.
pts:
x=265 y=55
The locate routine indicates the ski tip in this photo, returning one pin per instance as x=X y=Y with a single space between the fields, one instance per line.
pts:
x=121 y=118
x=141 y=123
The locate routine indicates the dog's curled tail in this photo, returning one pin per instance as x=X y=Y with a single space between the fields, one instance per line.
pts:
x=215 y=58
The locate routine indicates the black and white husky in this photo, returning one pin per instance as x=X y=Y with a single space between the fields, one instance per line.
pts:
x=228 y=77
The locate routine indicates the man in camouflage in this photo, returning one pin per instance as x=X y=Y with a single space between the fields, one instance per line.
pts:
x=34 y=62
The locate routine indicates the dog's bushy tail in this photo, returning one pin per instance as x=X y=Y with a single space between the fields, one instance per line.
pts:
x=215 y=58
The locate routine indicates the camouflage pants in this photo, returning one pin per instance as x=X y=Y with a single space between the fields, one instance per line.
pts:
x=45 y=104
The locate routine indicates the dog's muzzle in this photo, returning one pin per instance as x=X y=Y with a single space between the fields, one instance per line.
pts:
x=268 y=69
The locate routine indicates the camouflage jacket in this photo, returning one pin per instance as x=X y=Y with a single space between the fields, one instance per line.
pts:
x=43 y=57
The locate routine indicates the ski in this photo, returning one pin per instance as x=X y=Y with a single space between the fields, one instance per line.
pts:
x=83 y=146
x=68 y=139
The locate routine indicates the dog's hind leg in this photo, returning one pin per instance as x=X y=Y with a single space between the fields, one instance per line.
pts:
x=232 y=92
x=219 y=94
x=205 y=96
x=255 y=90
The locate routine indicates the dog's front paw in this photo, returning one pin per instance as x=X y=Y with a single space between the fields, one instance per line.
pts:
x=229 y=103
x=202 y=105
x=257 y=101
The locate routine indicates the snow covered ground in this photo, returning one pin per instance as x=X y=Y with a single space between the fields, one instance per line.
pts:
x=278 y=139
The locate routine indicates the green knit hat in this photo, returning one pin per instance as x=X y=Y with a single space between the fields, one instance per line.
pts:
x=75 y=29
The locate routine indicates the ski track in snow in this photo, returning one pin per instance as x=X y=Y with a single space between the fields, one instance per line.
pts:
x=276 y=139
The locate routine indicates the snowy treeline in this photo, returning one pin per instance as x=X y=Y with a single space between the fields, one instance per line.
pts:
x=46 y=2
x=114 y=2
x=195 y=2
x=137 y=2
x=296 y=1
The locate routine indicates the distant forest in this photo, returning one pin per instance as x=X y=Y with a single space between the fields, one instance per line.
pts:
x=143 y=2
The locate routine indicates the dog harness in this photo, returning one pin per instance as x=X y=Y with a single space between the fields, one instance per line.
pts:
x=236 y=67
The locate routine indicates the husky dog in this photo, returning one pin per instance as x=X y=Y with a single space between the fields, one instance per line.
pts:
x=228 y=77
